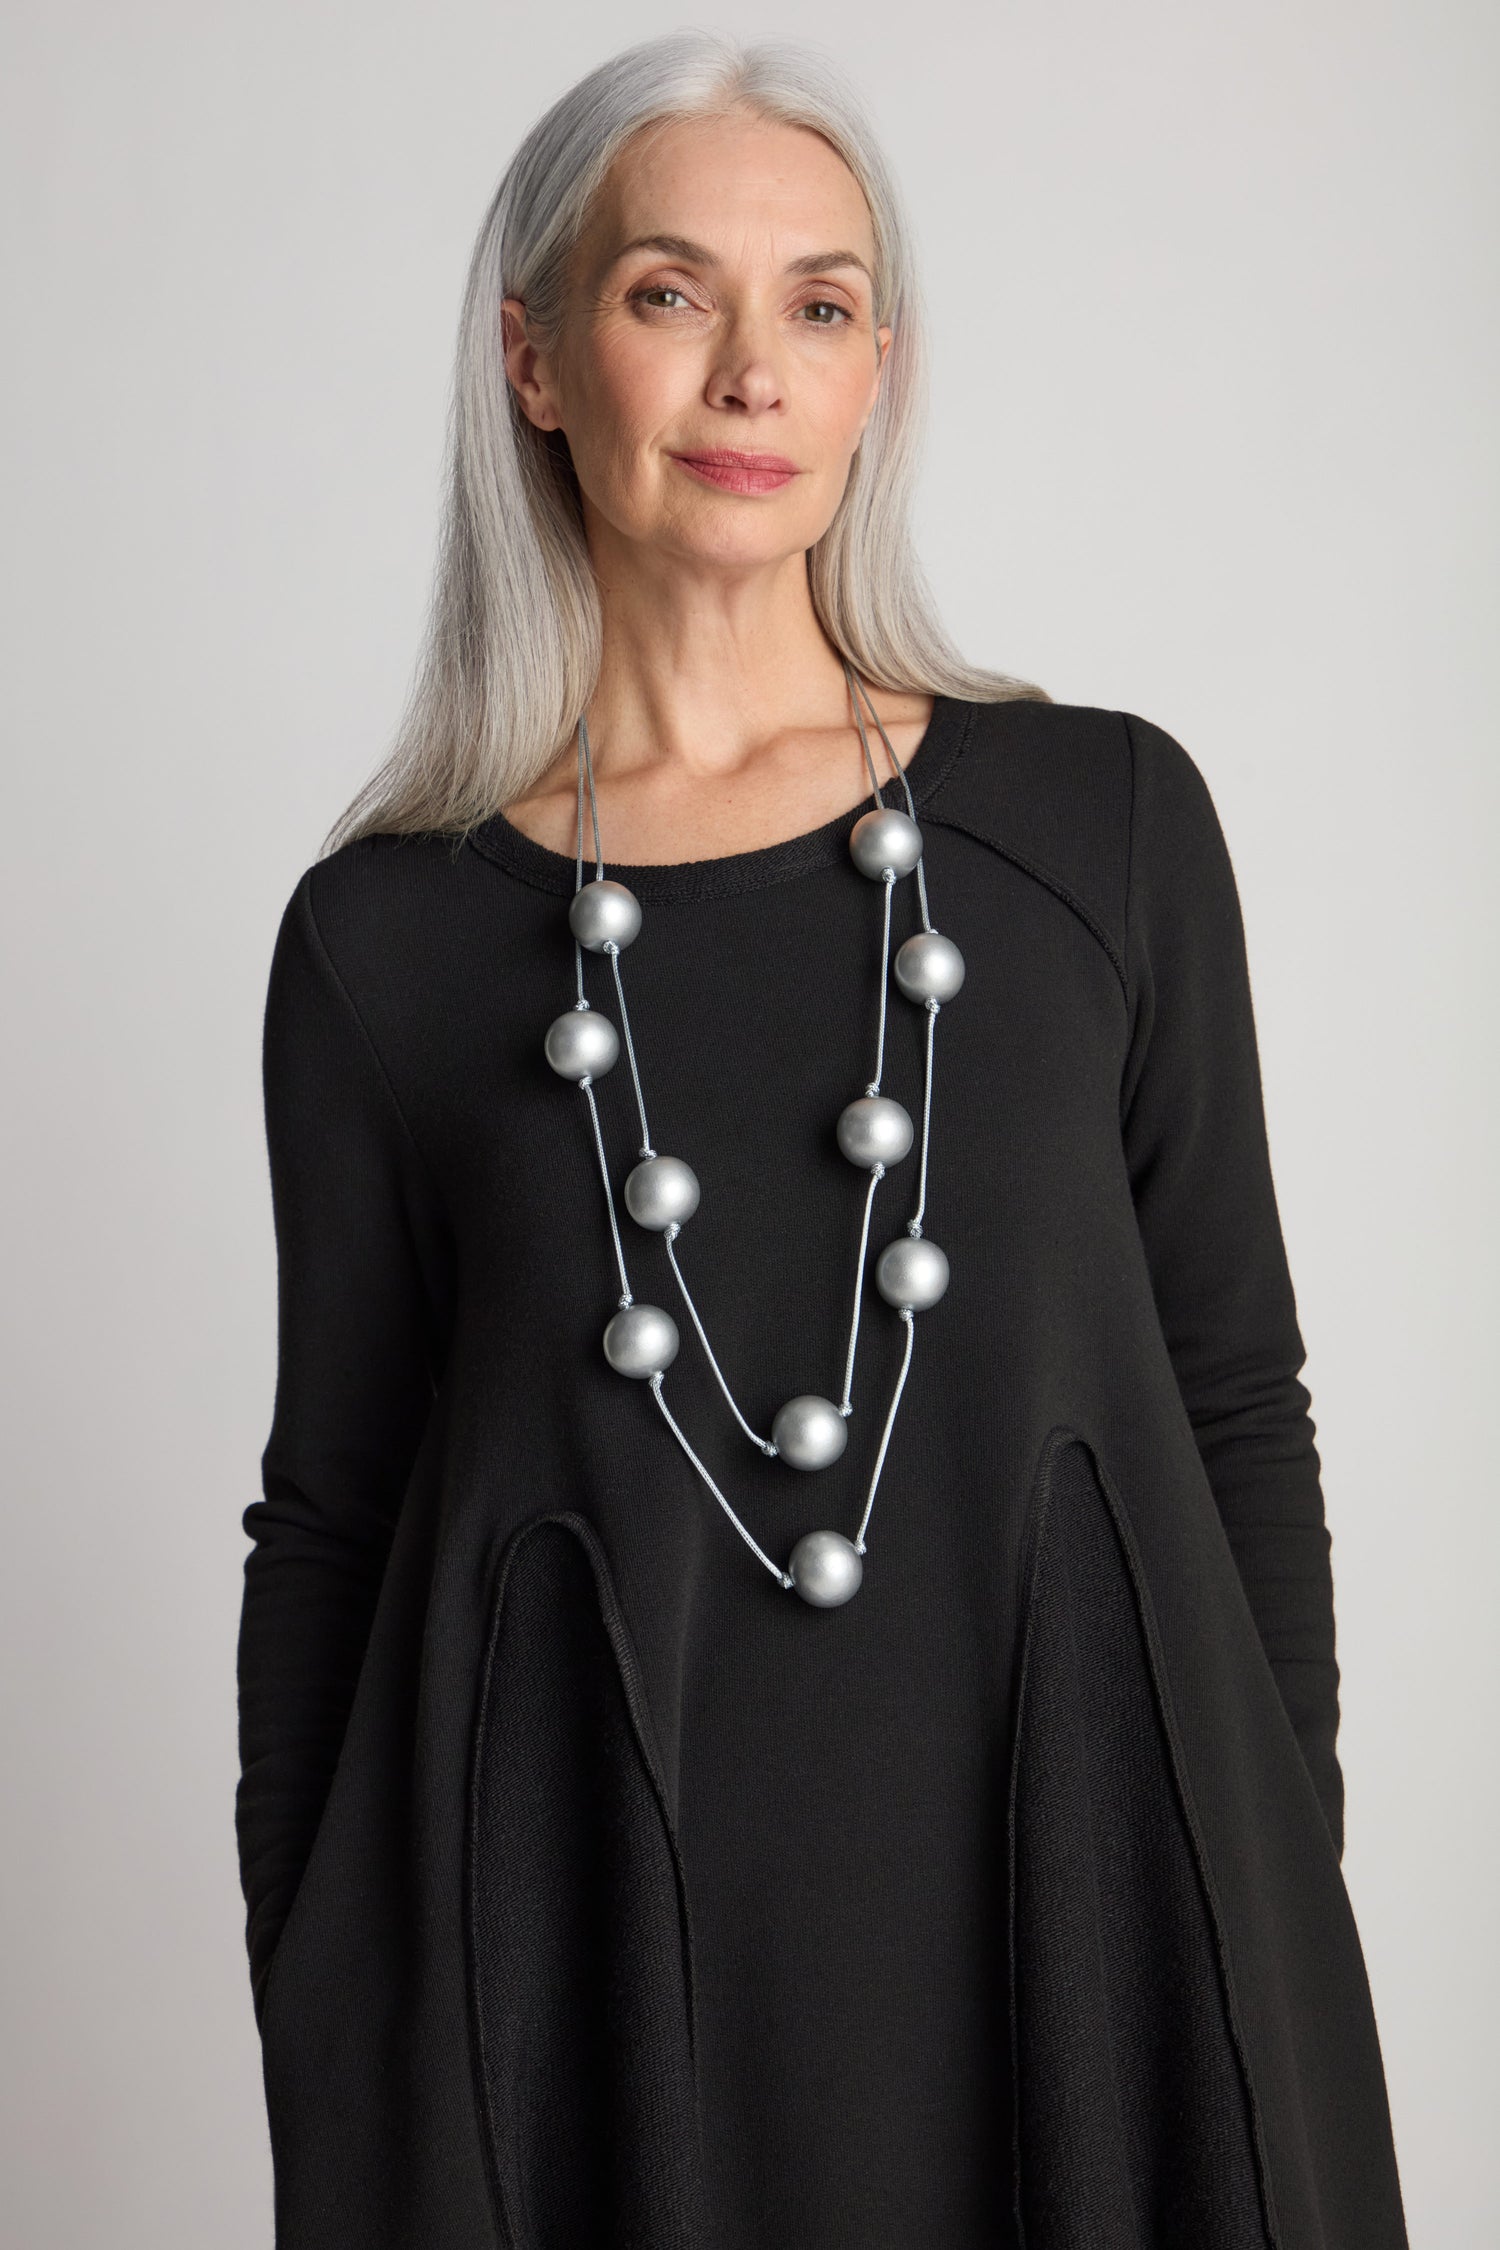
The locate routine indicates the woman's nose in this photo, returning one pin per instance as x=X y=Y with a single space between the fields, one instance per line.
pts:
x=746 y=370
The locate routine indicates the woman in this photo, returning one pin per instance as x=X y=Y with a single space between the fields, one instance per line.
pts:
x=722 y=1767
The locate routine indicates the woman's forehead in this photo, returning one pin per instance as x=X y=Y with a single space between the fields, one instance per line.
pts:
x=720 y=184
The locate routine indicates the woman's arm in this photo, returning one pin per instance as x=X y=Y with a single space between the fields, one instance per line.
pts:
x=363 y=1288
x=1194 y=1130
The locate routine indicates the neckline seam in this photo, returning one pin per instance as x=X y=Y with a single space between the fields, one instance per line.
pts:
x=687 y=881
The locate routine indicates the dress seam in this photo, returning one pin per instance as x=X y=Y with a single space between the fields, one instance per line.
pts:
x=1042 y=874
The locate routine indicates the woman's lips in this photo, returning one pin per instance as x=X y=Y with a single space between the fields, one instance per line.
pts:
x=740 y=472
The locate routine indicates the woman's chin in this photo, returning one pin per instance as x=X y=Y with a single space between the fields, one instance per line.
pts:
x=729 y=536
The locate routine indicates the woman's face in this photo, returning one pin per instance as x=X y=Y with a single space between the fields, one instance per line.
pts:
x=720 y=302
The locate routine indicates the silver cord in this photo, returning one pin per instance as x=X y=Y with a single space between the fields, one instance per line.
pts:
x=890 y=1422
x=914 y=1223
x=864 y=743
x=888 y=884
x=775 y=1569
x=766 y=1444
x=581 y=1001
x=877 y=1174
x=613 y=950
x=900 y=772
x=583 y=745
x=587 y=1083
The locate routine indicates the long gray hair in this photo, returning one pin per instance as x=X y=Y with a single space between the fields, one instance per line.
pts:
x=514 y=631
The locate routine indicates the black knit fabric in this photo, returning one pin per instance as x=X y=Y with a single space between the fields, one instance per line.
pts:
x=601 y=1892
x=1133 y=2112
x=588 y=2075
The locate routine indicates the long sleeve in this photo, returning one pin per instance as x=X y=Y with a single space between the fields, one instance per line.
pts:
x=363 y=1267
x=1194 y=1129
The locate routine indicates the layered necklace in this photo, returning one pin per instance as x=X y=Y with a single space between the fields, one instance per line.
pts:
x=661 y=1193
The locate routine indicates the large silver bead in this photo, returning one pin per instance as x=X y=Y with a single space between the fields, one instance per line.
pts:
x=874 y=1130
x=825 y=1568
x=810 y=1432
x=582 y=1044
x=661 y=1190
x=641 y=1340
x=911 y=1271
x=602 y=912
x=929 y=967
x=883 y=839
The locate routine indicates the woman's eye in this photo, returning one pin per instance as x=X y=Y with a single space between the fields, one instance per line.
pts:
x=826 y=314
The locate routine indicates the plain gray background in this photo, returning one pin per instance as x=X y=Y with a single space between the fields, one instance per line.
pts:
x=1213 y=440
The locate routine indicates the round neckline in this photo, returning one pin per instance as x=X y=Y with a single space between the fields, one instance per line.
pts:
x=500 y=840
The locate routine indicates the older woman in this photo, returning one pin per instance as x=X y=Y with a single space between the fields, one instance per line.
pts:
x=787 y=1666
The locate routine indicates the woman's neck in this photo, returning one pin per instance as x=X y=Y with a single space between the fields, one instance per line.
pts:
x=720 y=721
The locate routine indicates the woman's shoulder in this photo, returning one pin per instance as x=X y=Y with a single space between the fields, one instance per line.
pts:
x=383 y=863
x=1026 y=745
x=1074 y=793
x=377 y=901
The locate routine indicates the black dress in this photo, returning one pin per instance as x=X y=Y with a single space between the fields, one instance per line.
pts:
x=600 y=1891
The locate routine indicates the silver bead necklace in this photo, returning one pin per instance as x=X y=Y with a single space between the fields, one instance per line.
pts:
x=874 y=1131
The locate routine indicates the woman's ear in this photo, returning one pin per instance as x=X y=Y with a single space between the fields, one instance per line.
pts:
x=528 y=367
x=883 y=340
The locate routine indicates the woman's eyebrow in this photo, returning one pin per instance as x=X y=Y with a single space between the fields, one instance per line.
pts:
x=678 y=246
